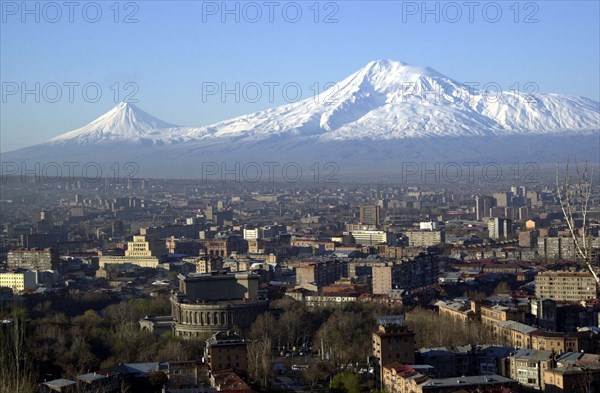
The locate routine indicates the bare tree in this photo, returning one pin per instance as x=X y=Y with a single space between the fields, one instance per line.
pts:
x=584 y=380
x=259 y=361
x=315 y=372
x=574 y=197
x=16 y=373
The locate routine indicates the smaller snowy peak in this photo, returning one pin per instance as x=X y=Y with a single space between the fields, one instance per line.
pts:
x=128 y=117
x=124 y=122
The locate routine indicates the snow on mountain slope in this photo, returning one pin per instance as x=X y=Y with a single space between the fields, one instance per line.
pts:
x=125 y=122
x=393 y=100
x=385 y=100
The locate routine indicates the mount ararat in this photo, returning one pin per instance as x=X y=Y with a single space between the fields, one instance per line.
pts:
x=386 y=113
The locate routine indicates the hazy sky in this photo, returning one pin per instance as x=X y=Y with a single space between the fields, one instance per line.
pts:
x=171 y=53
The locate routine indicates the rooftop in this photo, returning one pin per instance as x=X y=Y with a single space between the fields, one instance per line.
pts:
x=60 y=383
x=468 y=381
x=518 y=326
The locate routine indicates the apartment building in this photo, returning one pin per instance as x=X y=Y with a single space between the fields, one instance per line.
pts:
x=370 y=215
x=425 y=238
x=564 y=342
x=565 y=285
x=527 y=366
x=499 y=228
x=483 y=204
x=572 y=378
x=400 y=378
x=321 y=273
x=500 y=313
x=32 y=259
x=370 y=237
x=513 y=333
x=556 y=248
x=408 y=273
x=463 y=311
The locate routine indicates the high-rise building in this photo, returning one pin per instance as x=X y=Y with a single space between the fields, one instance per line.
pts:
x=483 y=204
x=518 y=191
x=321 y=273
x=556 y=247
x=503 y=199
x=382 y=279
x=499 y=228
x=370 y=215
x=528 y=239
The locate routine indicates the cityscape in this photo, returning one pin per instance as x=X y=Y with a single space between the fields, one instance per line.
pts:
x=237 y=286
x=320 y=209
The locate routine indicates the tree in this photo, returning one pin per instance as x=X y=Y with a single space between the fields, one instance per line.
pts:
x=574 y=197
x=264 y=327
x=314 y=373
x=16 y=371
x=345 y=383
x=157 y=379
x=345 y=337
x=259 y=361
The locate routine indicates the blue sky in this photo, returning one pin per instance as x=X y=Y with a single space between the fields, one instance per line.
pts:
x=174 y=48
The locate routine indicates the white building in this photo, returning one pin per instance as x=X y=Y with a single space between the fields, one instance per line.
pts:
x=429 y=225
x=425 y=238
x=370 y=238
x=251 y=234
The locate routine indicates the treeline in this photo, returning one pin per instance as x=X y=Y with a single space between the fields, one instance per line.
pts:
x=342 y=336
x=435 y=330
x=55 y=338
x=57 y=345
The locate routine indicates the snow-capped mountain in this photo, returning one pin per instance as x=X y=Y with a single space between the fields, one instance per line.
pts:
x=383 y=100
x=392 y=100
x=125 y=122
x=384 y=111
